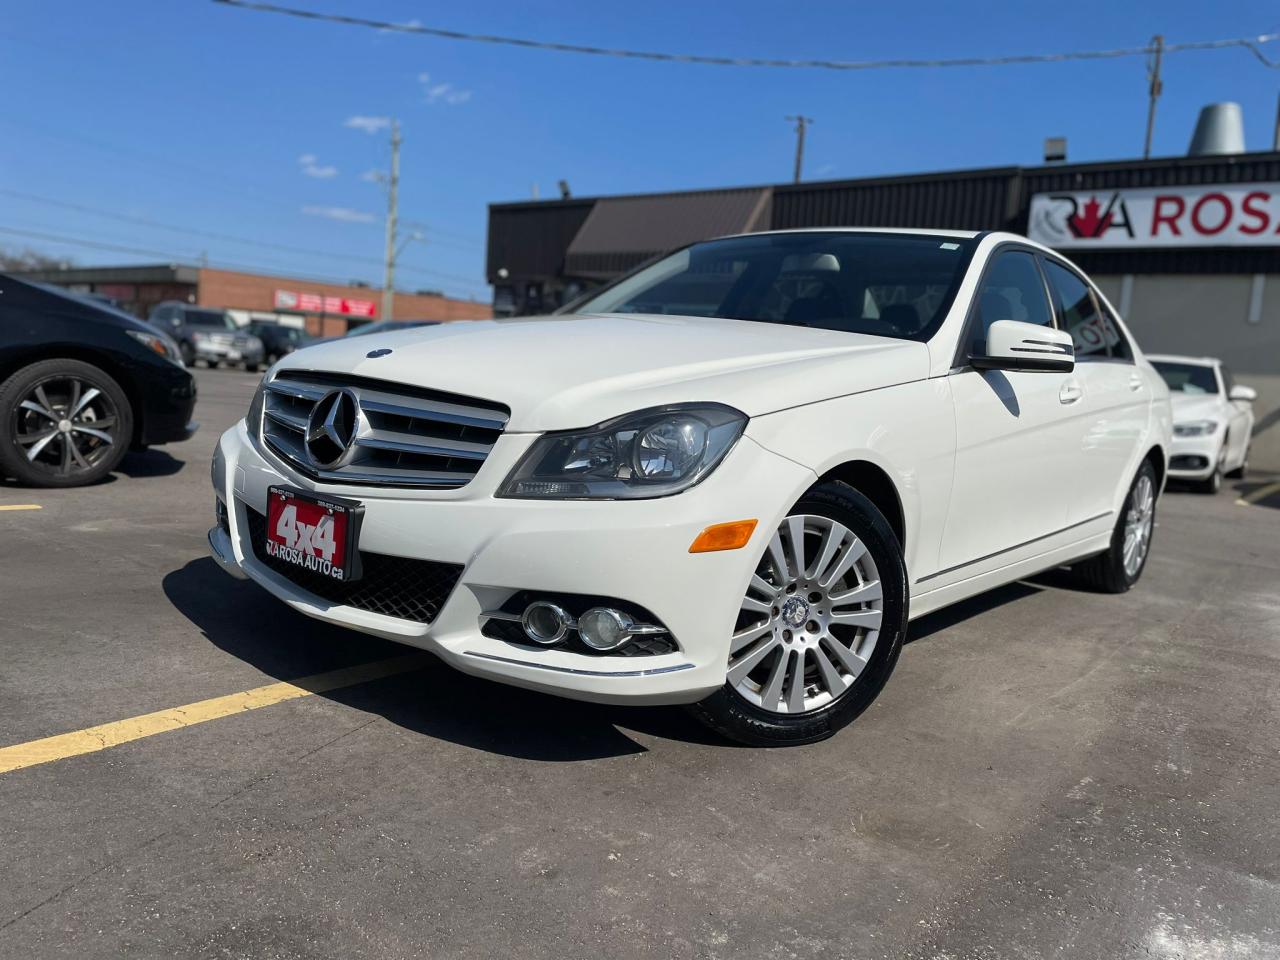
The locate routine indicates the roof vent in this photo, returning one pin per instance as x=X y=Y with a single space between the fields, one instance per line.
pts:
x=1219 y=130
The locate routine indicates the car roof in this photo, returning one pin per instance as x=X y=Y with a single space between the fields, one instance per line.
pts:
x=1176 y=358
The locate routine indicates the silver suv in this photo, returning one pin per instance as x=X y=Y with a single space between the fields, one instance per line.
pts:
x=207 y=334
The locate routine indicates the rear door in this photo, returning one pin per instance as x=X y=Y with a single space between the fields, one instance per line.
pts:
x=1116 y=400
x=1017 y=433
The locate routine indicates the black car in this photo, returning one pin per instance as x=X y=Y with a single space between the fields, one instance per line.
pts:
x=81 y=384
x=279 y=340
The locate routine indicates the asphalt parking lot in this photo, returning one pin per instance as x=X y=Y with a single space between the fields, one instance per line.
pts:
x=1049 y=772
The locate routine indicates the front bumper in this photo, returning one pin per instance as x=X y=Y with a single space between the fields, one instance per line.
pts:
x=634 y=550
x=222 y=353
x=1194 y=458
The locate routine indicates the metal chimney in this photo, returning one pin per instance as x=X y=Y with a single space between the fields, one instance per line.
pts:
x=1220 y=129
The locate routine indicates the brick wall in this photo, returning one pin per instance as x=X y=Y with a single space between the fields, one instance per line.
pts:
x=251 y=291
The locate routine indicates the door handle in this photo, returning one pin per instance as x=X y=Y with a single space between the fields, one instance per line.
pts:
x=1070 y=392
x=1135 y=381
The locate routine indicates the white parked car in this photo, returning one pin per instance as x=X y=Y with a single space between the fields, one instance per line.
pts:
x=1212 y=420
x=727 y=480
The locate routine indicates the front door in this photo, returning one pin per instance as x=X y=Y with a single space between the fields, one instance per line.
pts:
x=1016 y=435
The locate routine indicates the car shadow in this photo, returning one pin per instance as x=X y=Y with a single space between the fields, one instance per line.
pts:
x=947 y=617
x=1261 y=491
x=242 y=619
x=140 y=464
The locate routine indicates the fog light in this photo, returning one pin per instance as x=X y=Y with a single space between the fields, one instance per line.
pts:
x=603 y=628
x=544 y=622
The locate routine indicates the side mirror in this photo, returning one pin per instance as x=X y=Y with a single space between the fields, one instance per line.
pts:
x=1028 y=347
x=1241 y=392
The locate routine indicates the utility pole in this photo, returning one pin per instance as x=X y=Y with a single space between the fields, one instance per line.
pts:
x=1153 y=75
x=393 y=186
x=1276 y=142
x=801 y=123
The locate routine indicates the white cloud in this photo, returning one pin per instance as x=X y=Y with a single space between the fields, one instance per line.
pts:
x=373 y=176
x=442 y=92
x=367 y=124
x=311 y=166
x=823 y=170
x=343 y=214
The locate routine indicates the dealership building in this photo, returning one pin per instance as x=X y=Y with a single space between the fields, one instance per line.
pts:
x=323 y=309
x=1186 y=248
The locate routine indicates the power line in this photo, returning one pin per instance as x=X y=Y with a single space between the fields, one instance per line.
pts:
x=1252 y=44
x=228 y=185
x=170 y=257
x=226 y=237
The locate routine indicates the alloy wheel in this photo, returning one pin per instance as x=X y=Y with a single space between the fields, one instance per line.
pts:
x=65 y=426
x=1138 y=524
x=810 y=619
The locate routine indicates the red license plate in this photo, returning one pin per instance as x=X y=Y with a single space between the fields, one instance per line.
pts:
x=315 y=534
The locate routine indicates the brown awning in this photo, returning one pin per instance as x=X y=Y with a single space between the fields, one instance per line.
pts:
x=621 y=232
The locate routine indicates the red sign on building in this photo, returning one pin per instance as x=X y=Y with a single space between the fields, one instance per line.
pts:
x=321 y=303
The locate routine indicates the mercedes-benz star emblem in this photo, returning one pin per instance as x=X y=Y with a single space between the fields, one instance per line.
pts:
x=380 y=352
x=331 y=430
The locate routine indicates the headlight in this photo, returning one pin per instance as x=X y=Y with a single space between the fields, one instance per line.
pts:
x=1195 y=428
x=199 y=336
x=158 y=343
x=652 y=453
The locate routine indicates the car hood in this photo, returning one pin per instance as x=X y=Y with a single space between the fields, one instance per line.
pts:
x=1195 y=406
x=577 y=370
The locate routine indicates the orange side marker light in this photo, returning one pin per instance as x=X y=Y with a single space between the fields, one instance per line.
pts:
x=724 y=536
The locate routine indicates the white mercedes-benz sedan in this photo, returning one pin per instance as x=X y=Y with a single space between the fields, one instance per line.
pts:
x=726 y=480
x=1212 y=420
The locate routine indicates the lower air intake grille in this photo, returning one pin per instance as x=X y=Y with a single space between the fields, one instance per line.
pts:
x=392 y=586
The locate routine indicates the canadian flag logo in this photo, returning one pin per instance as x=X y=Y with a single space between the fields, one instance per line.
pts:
x=1091 y=220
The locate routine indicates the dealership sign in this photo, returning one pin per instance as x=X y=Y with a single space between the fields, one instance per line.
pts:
x=319 y=303
x=1234 y=215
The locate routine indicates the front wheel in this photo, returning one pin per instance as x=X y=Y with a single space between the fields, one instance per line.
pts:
x=1121 y=564
x=820 y=627
x=65 y=424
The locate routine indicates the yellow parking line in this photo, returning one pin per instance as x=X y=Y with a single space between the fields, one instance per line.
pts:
x=21 y=506
x=92 y=739
x=1260 y=494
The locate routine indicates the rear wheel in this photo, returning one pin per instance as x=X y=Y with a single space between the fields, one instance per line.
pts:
x=65 y=424
x=820 y=627
x=1119 y=567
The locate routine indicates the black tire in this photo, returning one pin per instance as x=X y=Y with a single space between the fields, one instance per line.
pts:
x=188 y=354
x=732 y=715
x=15 y=421
x=251 y=368
x=1106 y=572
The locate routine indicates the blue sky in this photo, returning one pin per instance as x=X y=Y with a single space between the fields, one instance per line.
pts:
x=232 y=124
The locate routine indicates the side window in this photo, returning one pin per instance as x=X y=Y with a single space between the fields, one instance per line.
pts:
x=1011 y=290
x=1092 y=331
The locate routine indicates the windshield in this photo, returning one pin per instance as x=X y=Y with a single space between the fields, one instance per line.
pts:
x=208 y=318
x=1193 y=378
x=890 y=285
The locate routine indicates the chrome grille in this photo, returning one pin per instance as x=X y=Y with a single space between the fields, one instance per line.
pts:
x=404 y=436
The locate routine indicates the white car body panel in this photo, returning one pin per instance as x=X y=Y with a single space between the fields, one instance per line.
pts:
x=998 y=475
